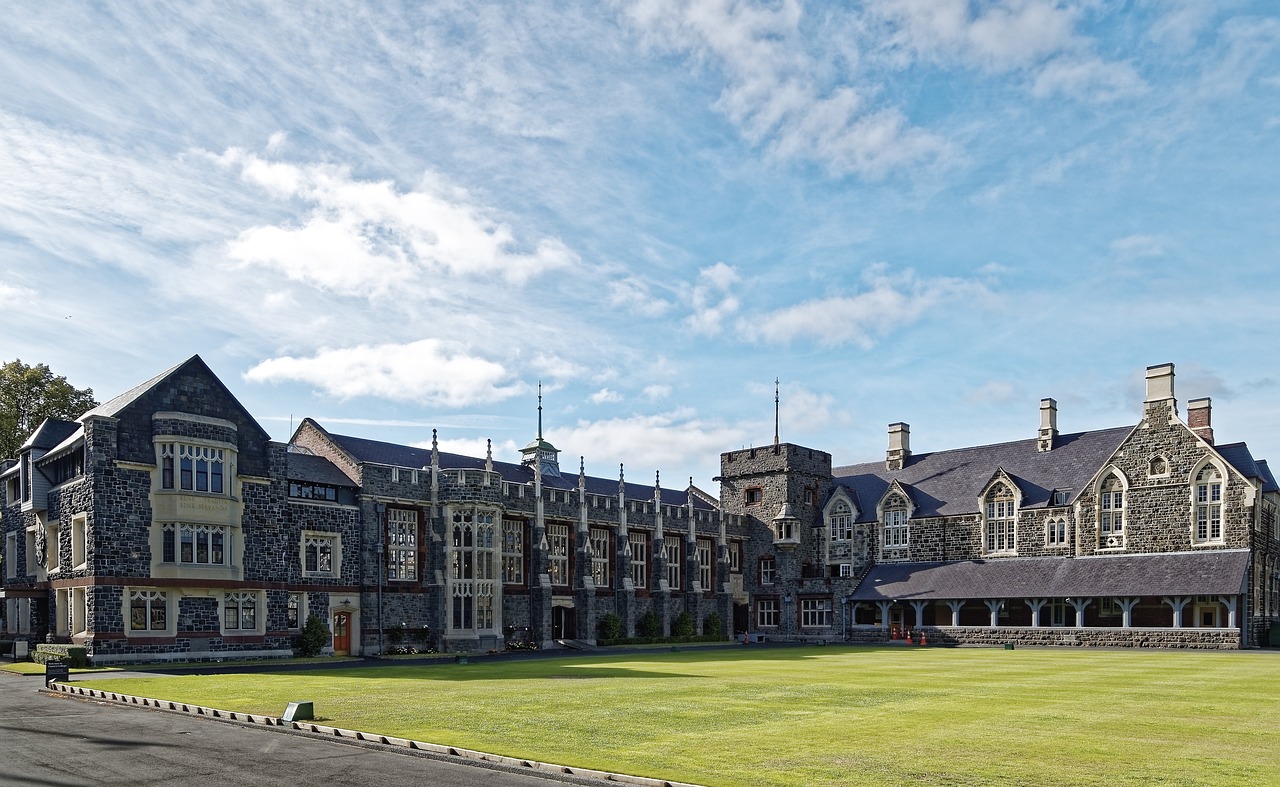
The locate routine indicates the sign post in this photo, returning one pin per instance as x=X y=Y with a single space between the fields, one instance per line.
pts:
x=56 y=669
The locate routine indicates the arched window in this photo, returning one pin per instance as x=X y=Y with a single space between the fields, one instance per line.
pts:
x=893 y=517
x=1055 y=534
x=1111 y=512
x=1001 y=520
x=1208 y=495
x=841 y=520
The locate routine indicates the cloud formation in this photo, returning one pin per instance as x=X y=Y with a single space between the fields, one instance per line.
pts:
x=367 y=237
x=429 y=371
x=888 y=301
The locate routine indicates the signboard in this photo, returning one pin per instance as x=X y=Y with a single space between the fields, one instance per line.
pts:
x=56 y=669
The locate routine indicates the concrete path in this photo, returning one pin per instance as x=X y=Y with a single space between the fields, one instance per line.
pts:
x=55 y=741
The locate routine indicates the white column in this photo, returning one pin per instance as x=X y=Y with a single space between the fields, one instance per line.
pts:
x=1080 y=604
x=1178 y=603
x=994 y=605
x=1230 y=601
x=1036 y=605
x=884 y=613
x=1126 y=606
x=919 y=608
x=955 y=611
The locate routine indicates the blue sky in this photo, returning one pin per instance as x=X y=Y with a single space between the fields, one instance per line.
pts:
x=398 y=217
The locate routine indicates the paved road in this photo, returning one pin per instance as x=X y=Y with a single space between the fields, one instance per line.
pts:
x=48 y=741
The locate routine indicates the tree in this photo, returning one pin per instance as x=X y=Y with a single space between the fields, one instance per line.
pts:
x=29 y=395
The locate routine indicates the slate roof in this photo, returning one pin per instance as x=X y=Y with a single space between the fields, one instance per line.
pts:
x=50 y=434
x=375 y=451
x=946 y=483
x=1241 y=458
x=316 y=470
x=112 y=407
x=1218 y=572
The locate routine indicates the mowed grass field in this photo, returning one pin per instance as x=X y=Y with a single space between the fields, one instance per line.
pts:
x=815 y=715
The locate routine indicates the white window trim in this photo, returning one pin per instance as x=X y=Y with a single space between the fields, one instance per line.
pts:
x=1010 y=517
x=171 y=612
x=259 y=613
x=1219 y=503
x=335 y=552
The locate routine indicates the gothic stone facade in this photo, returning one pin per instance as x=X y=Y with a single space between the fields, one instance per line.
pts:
x=165 y=525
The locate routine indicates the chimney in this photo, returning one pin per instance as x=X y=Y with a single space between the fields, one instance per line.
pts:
x=1160 y=387
x=1048 y=425
x=899 y=446
x=1200 y=418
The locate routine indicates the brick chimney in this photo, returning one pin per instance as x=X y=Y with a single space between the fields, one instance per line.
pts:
x=1048 y=425
x=1200 y=418
x=899 y=446
x=1160 y=387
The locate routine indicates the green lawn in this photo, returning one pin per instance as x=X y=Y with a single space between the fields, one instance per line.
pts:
x=814 y=716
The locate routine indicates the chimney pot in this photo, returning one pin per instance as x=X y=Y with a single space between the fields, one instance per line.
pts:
x=1048 y=424
x=1200 y=418
x=899 y=446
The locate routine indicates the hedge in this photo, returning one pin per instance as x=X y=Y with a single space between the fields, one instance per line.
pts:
x=76 y=656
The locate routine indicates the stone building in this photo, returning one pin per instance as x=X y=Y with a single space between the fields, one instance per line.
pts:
x=166 y=525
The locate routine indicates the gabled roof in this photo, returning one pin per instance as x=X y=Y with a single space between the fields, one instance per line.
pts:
x=1218 y=572
x=1268 y=480
x=377 y=452
x=49 y=434
x=316 y=470
x=112 y=407
x=945 y=483
x=1241 y=458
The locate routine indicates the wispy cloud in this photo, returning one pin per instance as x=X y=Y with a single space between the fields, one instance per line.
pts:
x=776 y=92
x=888 y=301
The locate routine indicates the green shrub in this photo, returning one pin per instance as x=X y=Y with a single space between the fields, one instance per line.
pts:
x=713 y=624
x=313 y=638
x=682 y=626
x=76 y=656
x=395 y=635
x=610 y=626
x=649 y=625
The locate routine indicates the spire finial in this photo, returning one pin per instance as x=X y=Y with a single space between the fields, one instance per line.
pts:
x=488 y=455
x=539 y=410
x=435 y=449
x=582 y=471
x=776 y=389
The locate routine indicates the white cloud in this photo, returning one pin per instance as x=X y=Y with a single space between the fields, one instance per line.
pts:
x=636 y=296
x=1137 y=247
x=992 y=392
x=888 y=302
x=1036 y=37
x=604 y=396
x=711 y=299
x=998 y=37
x=654 y=393
x=649 y=442
x=429 y=371
x=1088 y=78
x=368 y=238
x=777 y=92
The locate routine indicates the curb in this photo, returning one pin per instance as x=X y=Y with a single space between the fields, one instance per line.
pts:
x=469 y=756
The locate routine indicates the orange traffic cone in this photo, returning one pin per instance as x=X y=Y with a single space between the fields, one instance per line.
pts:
x=923 y=641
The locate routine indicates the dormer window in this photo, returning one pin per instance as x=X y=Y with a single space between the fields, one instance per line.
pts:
x=1001 y=519
x=841 y=522
x=894 y=520
x=1208 y=495
x=1111 y=498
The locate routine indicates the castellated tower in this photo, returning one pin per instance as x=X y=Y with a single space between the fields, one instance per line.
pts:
x=778 y=491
